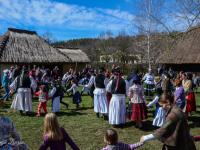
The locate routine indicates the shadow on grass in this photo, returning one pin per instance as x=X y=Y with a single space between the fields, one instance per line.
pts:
x=72 y=113
x=195 y=121
x=82 y=108
x=147 y=126
x=129 y=124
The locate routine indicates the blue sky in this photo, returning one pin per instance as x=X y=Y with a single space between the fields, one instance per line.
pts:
x=69 y=19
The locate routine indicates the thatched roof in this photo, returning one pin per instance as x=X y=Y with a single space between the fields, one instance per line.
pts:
x=186 y=51
x=76 y=55
x=22 y=46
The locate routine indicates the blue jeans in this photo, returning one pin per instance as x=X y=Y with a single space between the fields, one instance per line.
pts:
x=7 y=93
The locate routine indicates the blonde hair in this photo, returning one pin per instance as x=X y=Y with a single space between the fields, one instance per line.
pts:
x=51 y=127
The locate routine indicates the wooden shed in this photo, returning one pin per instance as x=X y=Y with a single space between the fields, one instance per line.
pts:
x=78 y=58
x=185 y=54
x=22 y=47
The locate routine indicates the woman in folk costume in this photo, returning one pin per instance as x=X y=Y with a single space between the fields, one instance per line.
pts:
x=149 y=83
x=117 y=107
x=23 y=97
x=179 y=95
x=139 y=109
x=159 y=112
x=174 y=134
x=76 y=94
x=100 y=100
x=54 y=93
x=190 y=96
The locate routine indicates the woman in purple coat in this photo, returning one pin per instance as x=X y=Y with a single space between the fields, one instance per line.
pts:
x=179 y=94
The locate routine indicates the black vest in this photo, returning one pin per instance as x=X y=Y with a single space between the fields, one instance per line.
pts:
x=121 y=89
x=24 y=82
x=99 y=80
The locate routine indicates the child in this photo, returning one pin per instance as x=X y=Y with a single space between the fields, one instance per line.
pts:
x=159 y=112
x=55 y=137
x=43 y=97
x=111 y=139
x=75 y=92
x=55 y=94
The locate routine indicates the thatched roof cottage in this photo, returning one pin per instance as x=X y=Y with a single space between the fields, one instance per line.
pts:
x=185 y=55
x=19 y=47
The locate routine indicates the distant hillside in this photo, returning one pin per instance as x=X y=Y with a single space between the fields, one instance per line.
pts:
x=126 y=44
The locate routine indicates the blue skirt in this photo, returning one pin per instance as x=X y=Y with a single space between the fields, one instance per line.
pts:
x=77 y=98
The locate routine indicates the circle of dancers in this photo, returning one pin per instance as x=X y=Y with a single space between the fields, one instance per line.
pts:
x=172 y=93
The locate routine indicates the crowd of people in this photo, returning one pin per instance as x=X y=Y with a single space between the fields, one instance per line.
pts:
x=171 y=92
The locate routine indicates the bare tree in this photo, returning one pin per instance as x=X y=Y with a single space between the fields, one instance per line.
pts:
x=162 y=24
x=48 y=37
x=105 y=45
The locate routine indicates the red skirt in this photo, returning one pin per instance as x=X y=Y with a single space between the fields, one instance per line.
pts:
x=191 y=102
x=108 y=96
x=139 y=112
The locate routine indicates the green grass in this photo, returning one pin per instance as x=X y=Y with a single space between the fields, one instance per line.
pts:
x=83 y=126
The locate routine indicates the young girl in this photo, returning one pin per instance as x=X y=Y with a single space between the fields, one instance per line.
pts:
x=111 y=139
x=43 y=97
x=54 y=93
x=55 y=137
x=159 y=112
x=136 y=95
x=76 y=94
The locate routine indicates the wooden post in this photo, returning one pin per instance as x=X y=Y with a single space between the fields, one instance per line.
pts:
x=75 y=66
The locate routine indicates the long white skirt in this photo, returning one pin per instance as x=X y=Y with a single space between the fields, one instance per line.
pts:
x=22 y=100
x=100 y=101
x=56 y=104
x=160 y=117
x=117 y=109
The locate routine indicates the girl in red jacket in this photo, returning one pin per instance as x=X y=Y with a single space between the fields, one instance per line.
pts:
x=43 y=97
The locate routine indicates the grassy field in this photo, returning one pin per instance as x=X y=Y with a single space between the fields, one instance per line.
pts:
x=83 y=126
